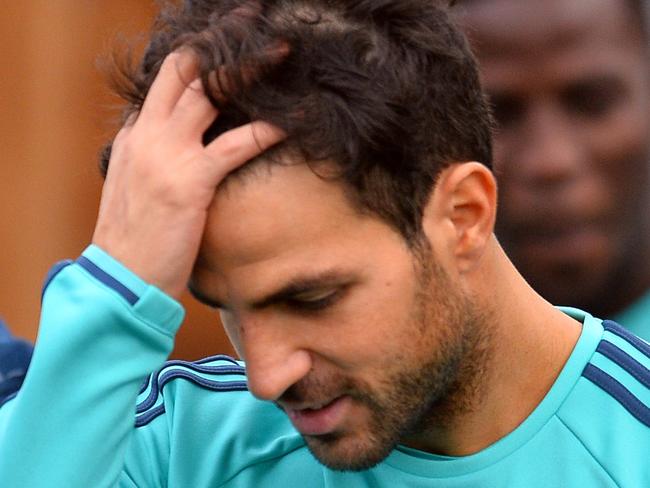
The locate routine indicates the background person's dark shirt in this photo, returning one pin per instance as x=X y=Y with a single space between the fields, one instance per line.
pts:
x=15 y=355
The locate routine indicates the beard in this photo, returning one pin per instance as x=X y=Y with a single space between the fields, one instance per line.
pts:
x=420 y=389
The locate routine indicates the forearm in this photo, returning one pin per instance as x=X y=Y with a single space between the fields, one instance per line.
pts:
x=71 y=422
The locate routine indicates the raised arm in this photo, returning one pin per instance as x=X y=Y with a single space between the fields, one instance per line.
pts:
x=109 y=318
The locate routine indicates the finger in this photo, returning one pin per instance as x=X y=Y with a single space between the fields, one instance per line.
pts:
x=193 y=113
x=237 y=146
x=176 y=72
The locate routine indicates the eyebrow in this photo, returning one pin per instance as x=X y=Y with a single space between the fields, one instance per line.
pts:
x=332 y=278
x=598 y=77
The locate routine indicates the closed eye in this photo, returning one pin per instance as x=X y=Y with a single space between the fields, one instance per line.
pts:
x=313 y=301
x=595 y=98
x=508 y=110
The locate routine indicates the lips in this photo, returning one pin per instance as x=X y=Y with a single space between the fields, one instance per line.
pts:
x=319 y=418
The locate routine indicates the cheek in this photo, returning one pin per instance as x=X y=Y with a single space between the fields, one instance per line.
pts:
x=377 y=329
x=375 y=315
x=625 y=130
x=620 y=156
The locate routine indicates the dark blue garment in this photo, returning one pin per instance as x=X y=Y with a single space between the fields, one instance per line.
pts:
x=15 y=355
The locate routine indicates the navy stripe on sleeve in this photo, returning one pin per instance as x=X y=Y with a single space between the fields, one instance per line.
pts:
x=221 y=386
x=625 y=361
x=147 y=410
x=614 y=388
x=625 y=334
x=236 y=368
x=147 y=417
x=218 y=357
x=159 y=379
x=145 y=385
x=107 y=279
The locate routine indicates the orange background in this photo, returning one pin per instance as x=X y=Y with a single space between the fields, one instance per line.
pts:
x=55 y=113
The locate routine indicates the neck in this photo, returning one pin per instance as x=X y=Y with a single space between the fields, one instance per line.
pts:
x=529 y=342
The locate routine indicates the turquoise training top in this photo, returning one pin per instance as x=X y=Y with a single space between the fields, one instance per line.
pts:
x=103 y=331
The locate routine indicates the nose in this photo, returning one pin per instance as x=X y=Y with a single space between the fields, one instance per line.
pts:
x=274 y=358
x=552 y=150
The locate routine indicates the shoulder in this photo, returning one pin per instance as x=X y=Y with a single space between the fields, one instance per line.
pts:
x=211 y=390
x=620 y=371
x=202 y=414
x=178 y=381
x=608 y=410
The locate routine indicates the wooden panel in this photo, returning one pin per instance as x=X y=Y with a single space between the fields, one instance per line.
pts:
x=55 y=113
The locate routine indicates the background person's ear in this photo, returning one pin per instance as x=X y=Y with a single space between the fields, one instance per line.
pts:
x=462 y=211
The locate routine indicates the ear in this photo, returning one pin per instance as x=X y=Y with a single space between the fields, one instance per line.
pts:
x=461 y=211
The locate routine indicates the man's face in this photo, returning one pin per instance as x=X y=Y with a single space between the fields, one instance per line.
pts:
x=355 y=338
x=570 y=88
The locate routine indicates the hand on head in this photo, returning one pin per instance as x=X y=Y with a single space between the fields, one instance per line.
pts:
x=162 y=178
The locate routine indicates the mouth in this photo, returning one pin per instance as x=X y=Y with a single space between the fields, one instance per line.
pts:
x=319 y=418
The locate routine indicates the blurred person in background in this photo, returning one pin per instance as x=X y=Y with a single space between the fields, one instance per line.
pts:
x=570 y=88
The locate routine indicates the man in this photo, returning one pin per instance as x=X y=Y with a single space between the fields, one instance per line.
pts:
x=345 y=234
x=570 y=86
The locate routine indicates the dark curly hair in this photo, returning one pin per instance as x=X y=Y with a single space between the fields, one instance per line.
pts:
x=388 y=90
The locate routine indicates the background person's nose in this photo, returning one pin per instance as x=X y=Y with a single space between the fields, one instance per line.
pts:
x=551 y=152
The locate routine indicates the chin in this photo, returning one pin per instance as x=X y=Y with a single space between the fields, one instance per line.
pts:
x=341 y=452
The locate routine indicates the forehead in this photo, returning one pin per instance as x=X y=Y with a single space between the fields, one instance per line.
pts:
x=534 y=34
x=547 y=22
x=284 y=220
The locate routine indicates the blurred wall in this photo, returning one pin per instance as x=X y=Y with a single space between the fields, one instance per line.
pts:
x=55 y=113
